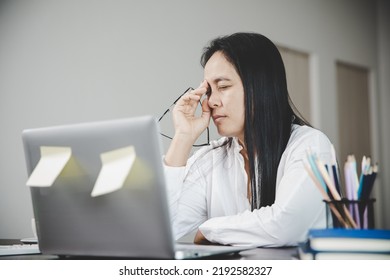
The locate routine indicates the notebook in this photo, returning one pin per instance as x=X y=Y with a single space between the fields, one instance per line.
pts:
x=77 y=213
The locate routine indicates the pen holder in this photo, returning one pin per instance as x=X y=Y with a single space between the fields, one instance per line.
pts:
x=341 y=212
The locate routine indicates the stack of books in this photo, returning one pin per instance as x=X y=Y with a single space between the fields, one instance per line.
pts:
x=346 y=244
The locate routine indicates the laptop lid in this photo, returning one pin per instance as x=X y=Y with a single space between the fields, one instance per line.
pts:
x=132 y=221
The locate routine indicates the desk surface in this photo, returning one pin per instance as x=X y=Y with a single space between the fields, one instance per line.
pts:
x=285 y=253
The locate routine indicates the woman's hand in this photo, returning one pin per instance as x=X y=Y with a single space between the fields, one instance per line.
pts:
x=185 y=122
x=188 y=127
x=200 y=239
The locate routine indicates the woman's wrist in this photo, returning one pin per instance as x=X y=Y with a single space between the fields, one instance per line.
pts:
x=179 y=150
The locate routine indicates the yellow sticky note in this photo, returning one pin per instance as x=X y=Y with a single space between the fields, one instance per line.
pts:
x=50 y=165
x=116 y=166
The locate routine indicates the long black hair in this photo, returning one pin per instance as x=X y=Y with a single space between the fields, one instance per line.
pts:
x=269 y=112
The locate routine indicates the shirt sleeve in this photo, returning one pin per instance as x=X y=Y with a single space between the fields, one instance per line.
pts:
x=187 y=201
x=298 y=204
x=174 y=179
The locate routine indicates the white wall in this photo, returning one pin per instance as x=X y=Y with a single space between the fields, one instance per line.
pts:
x=74 y=61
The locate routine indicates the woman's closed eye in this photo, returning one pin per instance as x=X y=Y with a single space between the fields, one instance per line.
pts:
x=219 y=88
x=223 y=87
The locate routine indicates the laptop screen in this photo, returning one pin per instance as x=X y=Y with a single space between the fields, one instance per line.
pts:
x=81 y=212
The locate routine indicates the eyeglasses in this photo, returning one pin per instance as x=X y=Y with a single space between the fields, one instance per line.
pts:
x=162 y=116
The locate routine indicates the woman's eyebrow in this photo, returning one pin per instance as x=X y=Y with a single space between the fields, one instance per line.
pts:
x=219 y=79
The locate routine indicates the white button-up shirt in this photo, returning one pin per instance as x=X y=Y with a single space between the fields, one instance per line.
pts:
x=210 y=193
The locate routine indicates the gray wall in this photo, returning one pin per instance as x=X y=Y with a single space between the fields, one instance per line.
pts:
x=74 y=61
x=383 y=94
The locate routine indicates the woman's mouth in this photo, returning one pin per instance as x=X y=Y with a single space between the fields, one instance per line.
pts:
x=218 y=118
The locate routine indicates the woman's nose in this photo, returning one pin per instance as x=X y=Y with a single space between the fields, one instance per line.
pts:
x=213 y=100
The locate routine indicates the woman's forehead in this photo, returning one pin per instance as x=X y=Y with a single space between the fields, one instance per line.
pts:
x=218 y=68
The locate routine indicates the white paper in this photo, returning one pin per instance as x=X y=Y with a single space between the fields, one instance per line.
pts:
x=116 y=166
x=49 y=167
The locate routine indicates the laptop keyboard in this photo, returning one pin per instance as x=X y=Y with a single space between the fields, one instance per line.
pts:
x=19 y=249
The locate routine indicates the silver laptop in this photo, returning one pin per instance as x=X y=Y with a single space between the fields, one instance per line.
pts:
x=129 y=222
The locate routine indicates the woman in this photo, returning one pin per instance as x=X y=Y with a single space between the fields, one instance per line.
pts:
x=249 y=187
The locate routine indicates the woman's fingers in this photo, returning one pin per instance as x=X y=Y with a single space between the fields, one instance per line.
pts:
x=199 y=91
x=191 y=97
x=185 y=119
x=206 y=110
x=189 y=101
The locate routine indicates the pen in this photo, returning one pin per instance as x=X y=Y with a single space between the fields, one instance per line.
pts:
x=334 y=170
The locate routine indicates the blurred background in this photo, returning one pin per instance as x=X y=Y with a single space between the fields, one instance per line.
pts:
x=74 y=61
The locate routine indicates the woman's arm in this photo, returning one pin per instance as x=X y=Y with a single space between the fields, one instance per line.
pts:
x=187 y=198
x=298 y=205
x=188 y=128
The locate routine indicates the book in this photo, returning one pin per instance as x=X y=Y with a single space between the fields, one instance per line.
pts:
x=350 y=240
x=305 y=252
